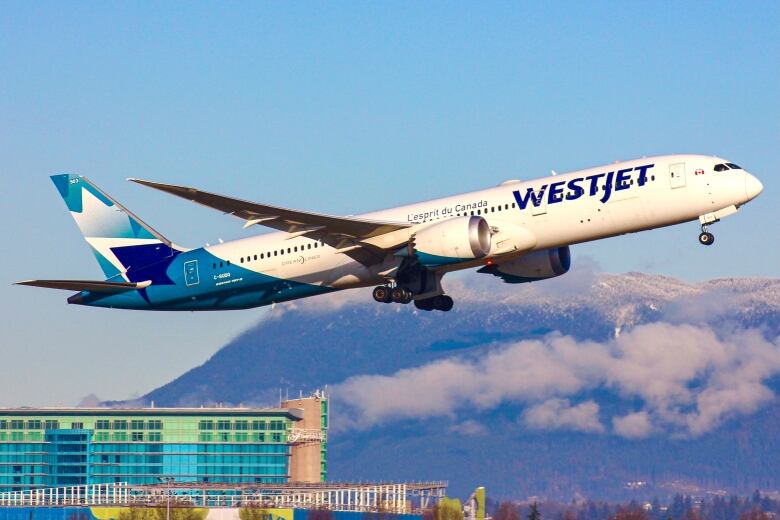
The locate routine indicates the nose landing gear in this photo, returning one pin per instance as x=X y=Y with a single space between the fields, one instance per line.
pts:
x=705 y=237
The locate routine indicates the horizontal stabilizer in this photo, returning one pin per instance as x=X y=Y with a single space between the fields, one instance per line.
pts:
x=87 y=285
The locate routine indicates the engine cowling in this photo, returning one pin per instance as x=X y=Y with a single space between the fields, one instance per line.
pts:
x=454 y=240
x=539 y=265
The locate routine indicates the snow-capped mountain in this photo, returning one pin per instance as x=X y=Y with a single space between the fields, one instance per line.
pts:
x=575 y=385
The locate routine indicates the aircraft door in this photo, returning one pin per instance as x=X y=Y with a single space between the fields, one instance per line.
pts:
x=677 y=175
x=191 y=273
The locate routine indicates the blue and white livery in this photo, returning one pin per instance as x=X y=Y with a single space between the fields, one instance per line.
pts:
x=518 y=231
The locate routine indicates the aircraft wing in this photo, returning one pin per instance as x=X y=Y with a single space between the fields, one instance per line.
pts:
x=346 y=234
x=87 y=285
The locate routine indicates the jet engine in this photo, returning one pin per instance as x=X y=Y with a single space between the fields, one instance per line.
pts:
x=532 y=267
x=453 y=240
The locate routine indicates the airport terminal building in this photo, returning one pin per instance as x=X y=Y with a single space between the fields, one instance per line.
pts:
x=56 y=447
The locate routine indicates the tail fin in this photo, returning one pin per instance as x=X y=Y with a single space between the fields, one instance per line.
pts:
x=120 y=240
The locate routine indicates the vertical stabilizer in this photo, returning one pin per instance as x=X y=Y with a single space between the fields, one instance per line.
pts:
x=120 y=241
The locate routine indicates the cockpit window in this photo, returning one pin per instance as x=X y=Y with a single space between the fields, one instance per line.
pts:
x=721 y=167
x=733 y=166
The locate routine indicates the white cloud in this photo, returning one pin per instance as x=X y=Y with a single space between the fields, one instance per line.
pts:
x=559 y=414
x=469 y=427
x=688 y=378
x=635 y=425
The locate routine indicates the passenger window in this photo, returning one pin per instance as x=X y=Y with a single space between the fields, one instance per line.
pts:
x=506 y=206
x=288 y=249
x=221 y=264
x=242 y=259
x=255 y=257
x=275 y=253
x=262 y=256
x=213 y=266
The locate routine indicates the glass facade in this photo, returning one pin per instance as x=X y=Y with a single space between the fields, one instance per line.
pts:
x=64 y=447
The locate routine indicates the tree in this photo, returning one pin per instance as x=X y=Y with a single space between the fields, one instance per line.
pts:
x=507 y=511
x=631 y=514
x=755 y=514
x=534 y=513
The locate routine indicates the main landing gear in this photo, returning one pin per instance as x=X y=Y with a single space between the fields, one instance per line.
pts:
x=386 y=294
x=705 y=237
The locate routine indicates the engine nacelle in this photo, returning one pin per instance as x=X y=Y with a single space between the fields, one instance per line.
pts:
x=532 y=267
x=453 y=240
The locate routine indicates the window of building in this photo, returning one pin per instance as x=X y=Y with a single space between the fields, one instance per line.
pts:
x=137 y=436
x=223 y=425
x=258 y=425
x=17 y=436
x=17 y=424
x=242 y=437
x=34 y=437
x=258 y=437
x=52 y=425
x=155 y=424
x=120 y=436
x=277 y=425
x=33 y=424
x=206 y=437
x=206 y=425
x=154 y=437
x=77 y=426
x=102 y=436
x=120 y=425
x=136 y=424
x=102 y=425
x=3 y=424
x=276 y=437
x=242 y=425
x=224 y=437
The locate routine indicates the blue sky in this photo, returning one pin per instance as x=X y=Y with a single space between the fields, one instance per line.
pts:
x=345 y=107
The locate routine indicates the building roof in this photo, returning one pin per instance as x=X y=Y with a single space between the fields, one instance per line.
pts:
x=293 y=413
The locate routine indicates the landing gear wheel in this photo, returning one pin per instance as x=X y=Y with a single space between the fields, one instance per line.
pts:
x=382 y=294
x=443 y=303
x=706 y=238
x=400 y=295
x=424 y=305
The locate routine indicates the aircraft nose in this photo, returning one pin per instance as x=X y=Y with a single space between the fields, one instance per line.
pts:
x=753 y=186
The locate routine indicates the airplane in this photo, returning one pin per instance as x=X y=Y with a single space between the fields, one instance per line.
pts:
x=519 y=231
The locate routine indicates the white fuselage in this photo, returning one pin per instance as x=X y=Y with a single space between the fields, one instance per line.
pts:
x=675 y=189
